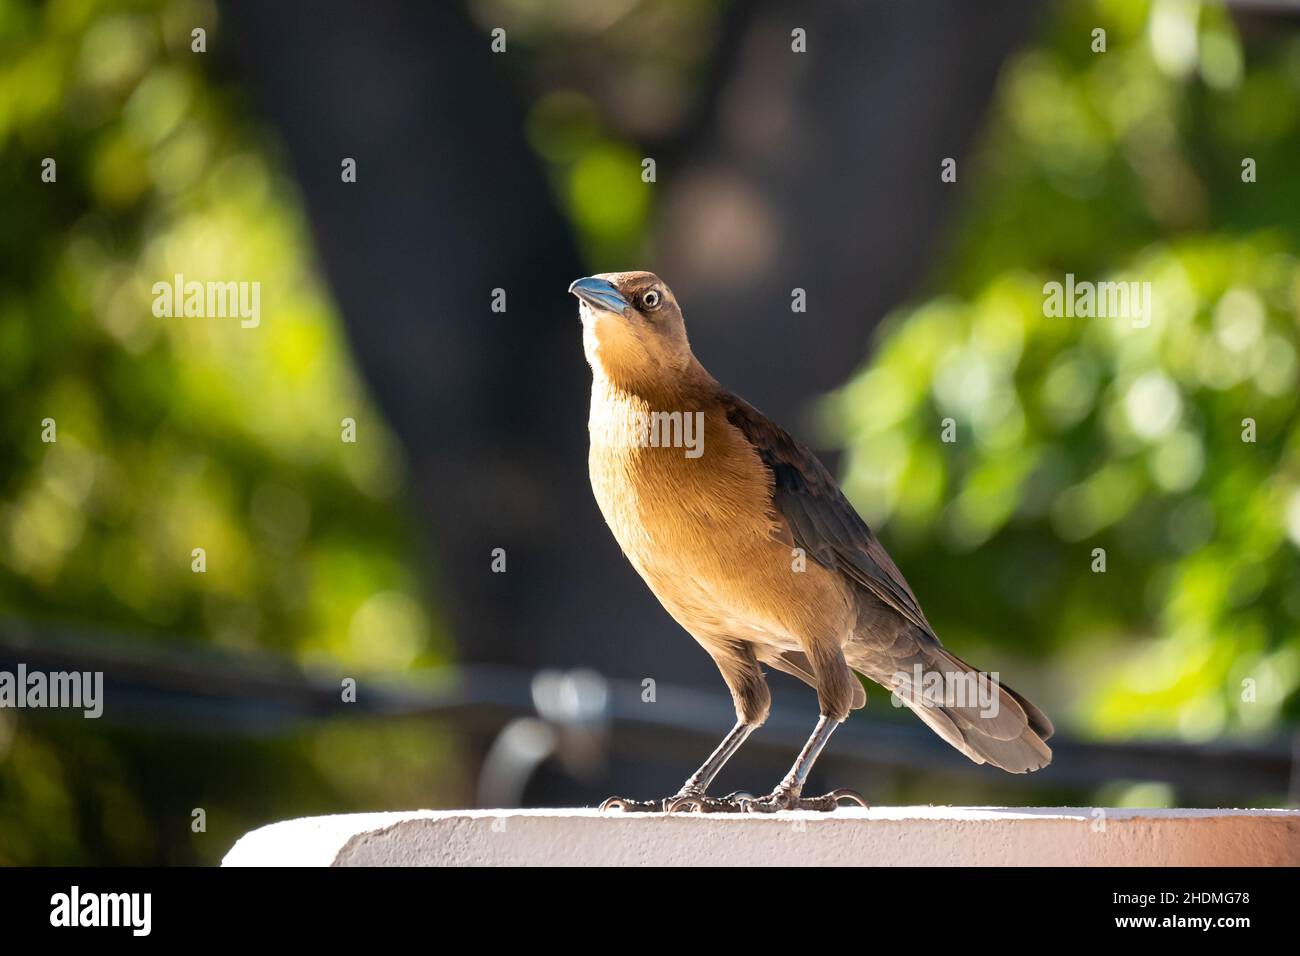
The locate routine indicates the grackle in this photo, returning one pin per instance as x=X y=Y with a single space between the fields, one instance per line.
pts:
x=750 y=545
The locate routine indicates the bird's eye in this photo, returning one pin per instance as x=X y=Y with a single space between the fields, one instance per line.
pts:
x=650 y=300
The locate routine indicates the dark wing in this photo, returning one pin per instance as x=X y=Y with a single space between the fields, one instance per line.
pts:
x=820 y=518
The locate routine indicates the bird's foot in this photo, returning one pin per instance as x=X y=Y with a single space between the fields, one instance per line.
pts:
x=785 y=798
x=628 y=805
x=683 y=799
x=702 y=803
x=686 y=800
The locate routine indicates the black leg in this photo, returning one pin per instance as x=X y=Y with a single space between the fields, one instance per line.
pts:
x=788 y=793
x=692 y=794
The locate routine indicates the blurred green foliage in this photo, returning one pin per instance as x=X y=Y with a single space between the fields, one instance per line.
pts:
x=174 y=434
x=596 y=122
x=1074 y=434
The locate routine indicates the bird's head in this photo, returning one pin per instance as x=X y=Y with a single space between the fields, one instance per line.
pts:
x=632 y=327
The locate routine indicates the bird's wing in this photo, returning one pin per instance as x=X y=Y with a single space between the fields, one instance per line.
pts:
x=820 y=518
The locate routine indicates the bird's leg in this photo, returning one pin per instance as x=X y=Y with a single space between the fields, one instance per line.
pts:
x=788 y=793
x=692 y=794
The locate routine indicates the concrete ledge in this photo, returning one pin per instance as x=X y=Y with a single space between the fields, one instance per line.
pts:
x=888 y=836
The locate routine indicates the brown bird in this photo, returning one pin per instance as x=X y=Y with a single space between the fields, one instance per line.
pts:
x=750 y=545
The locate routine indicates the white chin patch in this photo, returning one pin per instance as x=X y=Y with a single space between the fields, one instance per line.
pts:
x=589 y=315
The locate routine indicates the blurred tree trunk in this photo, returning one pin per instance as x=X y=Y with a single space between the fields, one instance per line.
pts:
x=821 y=171
x=450 y=204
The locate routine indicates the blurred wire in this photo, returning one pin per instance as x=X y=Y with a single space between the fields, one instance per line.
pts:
x=579 y=718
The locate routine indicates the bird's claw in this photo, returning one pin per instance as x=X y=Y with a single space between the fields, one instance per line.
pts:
x=685 y=802
x=682 y=800
x=705 y=804
x=689 y=801
x=632 y=806
x=737 y=802
x=828 y=802
x=782 y=799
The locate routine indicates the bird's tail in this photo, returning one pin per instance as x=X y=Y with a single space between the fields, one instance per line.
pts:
x=983 y=718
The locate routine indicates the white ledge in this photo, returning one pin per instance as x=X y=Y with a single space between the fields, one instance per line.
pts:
x=889 y=836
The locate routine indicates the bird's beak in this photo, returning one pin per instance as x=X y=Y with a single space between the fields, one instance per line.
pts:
x=599 y=294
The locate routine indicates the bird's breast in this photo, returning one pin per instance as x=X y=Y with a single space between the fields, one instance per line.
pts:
x=688 y=500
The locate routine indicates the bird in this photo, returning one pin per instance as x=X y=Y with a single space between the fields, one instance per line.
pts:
x=748 y=542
